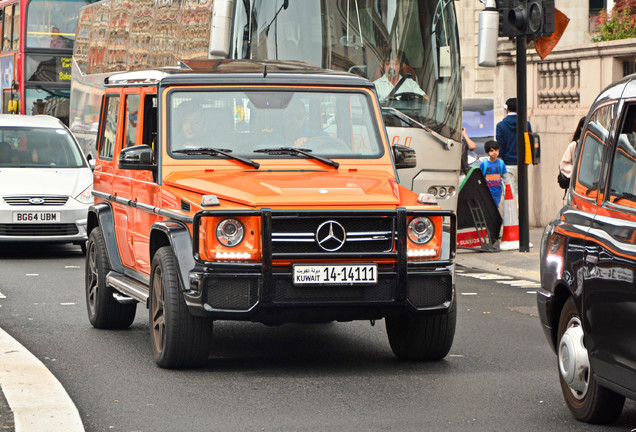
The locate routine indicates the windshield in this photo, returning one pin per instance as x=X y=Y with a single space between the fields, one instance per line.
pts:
x=38 y=147
x=386 y=41
x=53 y=102
x=52 y=23
x=248 y=123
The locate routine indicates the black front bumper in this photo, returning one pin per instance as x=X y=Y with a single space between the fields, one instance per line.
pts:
x=262 y=292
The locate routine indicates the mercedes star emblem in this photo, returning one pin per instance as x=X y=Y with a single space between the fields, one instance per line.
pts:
x=331 y=236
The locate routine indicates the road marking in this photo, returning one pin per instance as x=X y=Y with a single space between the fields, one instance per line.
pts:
x=68 y=304
x=32 y=274
x=520 y=283
x=71 y=266
x=487 y=276
x=2 y=296
x=36 y=397
x=469 y=294
x=506 y=280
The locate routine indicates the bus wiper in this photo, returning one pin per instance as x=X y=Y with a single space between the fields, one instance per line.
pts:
x=293 y=150
x=217 y=151
x=625 y=195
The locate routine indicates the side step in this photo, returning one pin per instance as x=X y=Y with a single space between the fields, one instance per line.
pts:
x=133 y=290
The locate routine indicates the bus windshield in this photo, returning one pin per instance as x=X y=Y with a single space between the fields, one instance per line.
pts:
x=409 y=48
x=52 y=23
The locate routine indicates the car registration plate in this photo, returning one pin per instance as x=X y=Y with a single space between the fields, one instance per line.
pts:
x=36 y=217
x=335 y=274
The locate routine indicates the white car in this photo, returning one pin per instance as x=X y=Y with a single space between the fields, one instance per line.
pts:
x=45 y=182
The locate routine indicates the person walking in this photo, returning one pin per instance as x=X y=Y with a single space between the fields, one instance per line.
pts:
x=506 y=135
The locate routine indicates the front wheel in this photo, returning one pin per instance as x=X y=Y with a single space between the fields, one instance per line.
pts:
x=178 y=339
x=422 y=337
x=586 y=400
x=104 y=312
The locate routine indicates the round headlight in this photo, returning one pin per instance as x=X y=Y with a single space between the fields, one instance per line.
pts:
x=432 y=190
x=421 y=230
x=442 y=192
x=230 y=232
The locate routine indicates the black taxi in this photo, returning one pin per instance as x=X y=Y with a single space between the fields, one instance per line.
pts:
x=587 y=303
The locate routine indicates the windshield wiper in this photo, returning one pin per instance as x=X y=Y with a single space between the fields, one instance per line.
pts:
x=293 y=150
x=217 y=151
x=625 y=195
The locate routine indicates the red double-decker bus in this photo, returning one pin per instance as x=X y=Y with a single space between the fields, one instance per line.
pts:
x=36 y=55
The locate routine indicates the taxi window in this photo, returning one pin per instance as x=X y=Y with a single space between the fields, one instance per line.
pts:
x=623 y=177
x=595 y=139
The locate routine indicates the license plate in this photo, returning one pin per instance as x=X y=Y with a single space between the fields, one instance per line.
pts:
x=36 y=217
x=335 y=274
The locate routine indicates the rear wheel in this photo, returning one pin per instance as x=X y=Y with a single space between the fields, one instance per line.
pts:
x=178 y=339
x=104 y=311
x=423 y=337
x=586 y=400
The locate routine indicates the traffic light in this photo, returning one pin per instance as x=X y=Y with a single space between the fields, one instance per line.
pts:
x=531 y=18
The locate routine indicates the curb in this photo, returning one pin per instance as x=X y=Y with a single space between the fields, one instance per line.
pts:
x=37 y=399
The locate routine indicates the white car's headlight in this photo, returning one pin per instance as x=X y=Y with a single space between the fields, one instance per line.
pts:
x=85 y=197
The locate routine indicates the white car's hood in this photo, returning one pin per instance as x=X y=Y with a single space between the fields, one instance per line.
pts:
x=44 y=181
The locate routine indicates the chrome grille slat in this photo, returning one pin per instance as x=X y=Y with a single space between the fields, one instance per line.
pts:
x=55 y=200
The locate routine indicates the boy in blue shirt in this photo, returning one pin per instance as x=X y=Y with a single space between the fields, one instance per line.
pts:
x=493 y=169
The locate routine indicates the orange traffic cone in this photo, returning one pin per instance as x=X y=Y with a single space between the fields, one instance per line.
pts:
x=510 y=237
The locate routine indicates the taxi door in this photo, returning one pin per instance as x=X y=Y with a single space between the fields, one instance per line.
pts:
x=610 y=290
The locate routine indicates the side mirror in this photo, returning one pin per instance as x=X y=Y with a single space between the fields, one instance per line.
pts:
x=404 y=156
x=136 y=158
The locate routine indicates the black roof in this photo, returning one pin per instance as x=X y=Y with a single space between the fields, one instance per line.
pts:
x=245 y=71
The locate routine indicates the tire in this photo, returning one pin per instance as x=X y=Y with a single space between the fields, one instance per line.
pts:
x=104 y=312
x=178 y=339
x=586 y=400
x=422 y=337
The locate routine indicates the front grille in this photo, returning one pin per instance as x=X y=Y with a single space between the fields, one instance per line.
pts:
x=427 y=291
x=297 y=234
x=38 y=230
x=285 y=291
x=45 y=200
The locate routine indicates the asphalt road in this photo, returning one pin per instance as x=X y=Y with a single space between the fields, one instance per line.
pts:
x=500 y=374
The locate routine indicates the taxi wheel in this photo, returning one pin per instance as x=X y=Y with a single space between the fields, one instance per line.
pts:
x=104 y=311
x=178 y=339
x=586 y=400
x=423 y=337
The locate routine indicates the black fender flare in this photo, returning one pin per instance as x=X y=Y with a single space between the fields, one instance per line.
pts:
x=177 y=236
x=101 y=215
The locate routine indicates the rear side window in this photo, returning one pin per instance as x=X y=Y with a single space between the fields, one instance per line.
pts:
x=595 y=139
x=623 y=178
x=109 y=128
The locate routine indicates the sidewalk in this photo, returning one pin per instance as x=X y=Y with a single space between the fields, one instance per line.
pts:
x=513 y=263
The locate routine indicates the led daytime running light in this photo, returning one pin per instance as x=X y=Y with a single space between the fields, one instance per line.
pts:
x=233 y=255
x=418 y=253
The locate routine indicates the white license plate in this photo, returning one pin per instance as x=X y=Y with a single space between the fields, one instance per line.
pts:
x=36 y=217
x=335 y=274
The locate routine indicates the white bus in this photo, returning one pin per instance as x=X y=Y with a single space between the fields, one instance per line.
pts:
x=365 y=37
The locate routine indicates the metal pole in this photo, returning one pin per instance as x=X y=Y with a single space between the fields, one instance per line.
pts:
x=522 y=126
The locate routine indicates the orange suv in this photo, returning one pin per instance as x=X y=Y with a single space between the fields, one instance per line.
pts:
x=264 y=192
